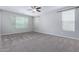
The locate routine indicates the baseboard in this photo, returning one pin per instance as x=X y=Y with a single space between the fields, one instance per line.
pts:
x=59 y=35
x=15 y=33
x=44 y=33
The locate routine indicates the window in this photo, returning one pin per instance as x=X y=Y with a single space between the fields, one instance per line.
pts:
x=68 y=20
x=21 y=22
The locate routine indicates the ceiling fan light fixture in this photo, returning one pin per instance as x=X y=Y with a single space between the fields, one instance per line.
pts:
x=34 y=10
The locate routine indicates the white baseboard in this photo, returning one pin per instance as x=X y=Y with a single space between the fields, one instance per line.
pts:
x=44 y=33
x=59 y=35
x=14 y=33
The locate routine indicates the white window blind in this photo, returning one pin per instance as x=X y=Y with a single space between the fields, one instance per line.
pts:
x=68 y=20
x=21 y=22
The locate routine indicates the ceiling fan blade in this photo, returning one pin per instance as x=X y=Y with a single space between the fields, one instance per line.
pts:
x=38 y=10
x=33 y=7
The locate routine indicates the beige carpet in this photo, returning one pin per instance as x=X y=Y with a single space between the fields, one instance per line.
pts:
x=37 y=42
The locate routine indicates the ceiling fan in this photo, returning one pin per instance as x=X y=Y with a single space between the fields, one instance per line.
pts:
x=35 y=8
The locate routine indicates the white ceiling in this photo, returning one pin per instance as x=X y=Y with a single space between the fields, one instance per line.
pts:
x=25 y=9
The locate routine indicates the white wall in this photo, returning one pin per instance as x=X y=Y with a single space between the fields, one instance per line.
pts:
x=0 y=29
x=51 y=23
x=0 y=22
x=8 y=23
